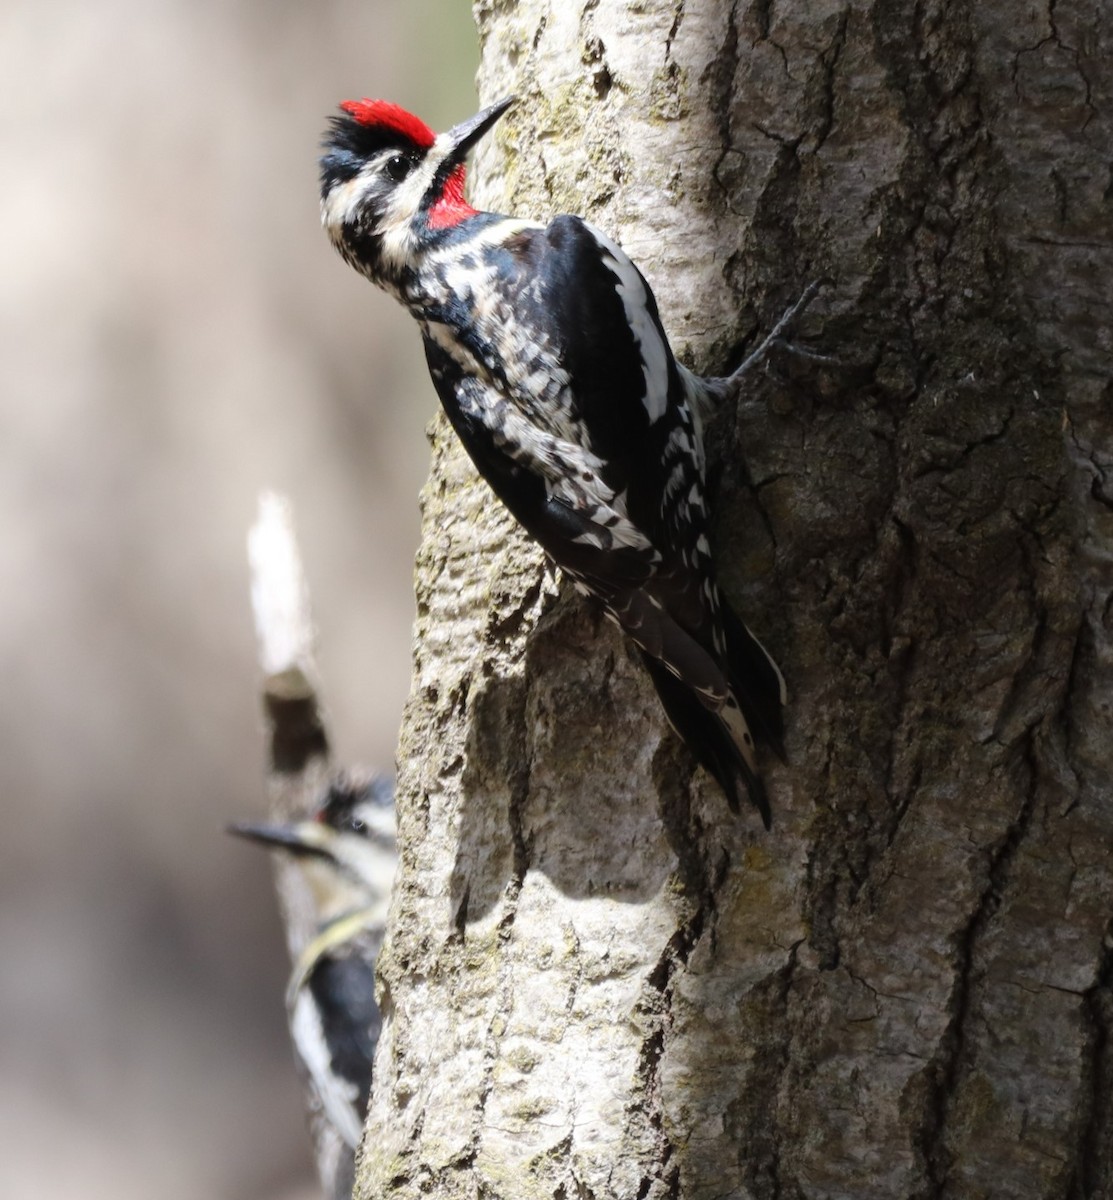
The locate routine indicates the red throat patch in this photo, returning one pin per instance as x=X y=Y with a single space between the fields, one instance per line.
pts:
x=451 y=208
x=384 y=115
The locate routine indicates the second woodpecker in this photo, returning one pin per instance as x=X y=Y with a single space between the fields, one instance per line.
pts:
x=549 y=357
x=346 y=858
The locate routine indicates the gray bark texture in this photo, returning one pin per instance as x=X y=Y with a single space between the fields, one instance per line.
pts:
x=598 y=982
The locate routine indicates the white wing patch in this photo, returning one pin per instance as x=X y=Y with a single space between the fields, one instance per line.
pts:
x=635 y=300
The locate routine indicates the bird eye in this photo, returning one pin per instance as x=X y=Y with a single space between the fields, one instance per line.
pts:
x=398 y=167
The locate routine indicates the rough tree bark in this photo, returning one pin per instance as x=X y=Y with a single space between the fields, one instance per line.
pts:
x=598 y=983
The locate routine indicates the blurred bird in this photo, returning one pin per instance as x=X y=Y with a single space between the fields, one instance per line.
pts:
x=345 y=852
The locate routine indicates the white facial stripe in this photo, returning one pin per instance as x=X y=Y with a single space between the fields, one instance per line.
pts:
x=406 y=197
x=338 y=208
x=342 y=204
x=441 y=147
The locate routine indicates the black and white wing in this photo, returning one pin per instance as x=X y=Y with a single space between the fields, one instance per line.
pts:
x=573 y=408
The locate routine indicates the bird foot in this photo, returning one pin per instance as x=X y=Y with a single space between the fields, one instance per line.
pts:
x=728 y=385
x=776 y=336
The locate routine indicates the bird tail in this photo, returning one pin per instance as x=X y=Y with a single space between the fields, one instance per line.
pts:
x=718 y=743
x=723 y=734
x=756 y=682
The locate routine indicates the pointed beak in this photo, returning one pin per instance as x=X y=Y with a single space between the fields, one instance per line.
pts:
x=462 y=137
x=300 y=837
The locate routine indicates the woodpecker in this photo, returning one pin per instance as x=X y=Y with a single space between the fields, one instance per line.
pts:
x=346 y=852
x=547 y=352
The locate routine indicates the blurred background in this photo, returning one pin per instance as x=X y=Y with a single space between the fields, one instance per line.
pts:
x=175 y=335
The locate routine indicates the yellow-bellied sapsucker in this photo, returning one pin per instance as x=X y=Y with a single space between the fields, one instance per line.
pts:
x=548 y=354
x=346 y=854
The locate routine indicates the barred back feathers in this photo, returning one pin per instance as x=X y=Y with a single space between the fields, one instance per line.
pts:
x=547 y=352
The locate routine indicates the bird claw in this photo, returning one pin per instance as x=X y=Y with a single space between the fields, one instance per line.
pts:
x=776 y=337
x=803 y=352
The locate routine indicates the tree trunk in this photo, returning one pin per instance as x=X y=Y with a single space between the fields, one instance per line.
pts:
x=598 y=982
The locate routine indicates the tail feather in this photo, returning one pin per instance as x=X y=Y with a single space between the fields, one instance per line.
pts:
x=756 y=682
x=721 y=703
x=707 y=733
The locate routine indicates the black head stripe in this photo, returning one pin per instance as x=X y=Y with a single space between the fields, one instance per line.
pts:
x=348 y=146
